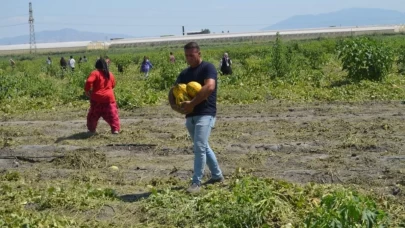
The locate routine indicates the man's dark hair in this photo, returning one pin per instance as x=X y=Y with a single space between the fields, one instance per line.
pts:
x=192 y=45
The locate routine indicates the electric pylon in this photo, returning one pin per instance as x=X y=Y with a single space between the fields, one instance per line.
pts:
x=33 y=45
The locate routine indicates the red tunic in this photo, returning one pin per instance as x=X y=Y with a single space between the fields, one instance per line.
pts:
x=102 y=88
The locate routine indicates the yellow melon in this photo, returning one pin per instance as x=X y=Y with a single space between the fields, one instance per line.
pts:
x=180 y=93
x=193 y=88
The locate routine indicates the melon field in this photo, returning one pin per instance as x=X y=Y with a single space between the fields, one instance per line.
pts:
x=308 y=134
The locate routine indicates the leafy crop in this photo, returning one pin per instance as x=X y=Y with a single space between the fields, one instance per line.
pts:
x=365 y=58
x=257 y=202
x=299 y=71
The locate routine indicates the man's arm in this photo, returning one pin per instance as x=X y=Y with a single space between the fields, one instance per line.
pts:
x=205 y=92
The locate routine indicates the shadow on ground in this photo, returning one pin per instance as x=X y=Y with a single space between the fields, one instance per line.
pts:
x=131 y=198
x=77 y=136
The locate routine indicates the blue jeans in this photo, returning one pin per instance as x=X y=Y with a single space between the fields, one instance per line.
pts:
x=199 y=128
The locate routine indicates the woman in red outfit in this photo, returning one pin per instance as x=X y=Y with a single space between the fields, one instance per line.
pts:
x=99 y=87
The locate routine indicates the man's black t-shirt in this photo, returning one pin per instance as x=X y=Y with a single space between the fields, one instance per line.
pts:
x=203 y=71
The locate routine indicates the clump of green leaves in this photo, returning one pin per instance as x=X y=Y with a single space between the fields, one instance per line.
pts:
x=346 y=209
x=260 y=202
x=122 y=61
x=10 y=176
x=365 y=58
x=168 y=75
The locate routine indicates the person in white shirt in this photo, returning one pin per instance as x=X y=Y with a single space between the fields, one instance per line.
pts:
x=72 y=63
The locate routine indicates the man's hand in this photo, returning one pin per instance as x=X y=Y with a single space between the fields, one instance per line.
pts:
x=177 y=109
x=187 y=107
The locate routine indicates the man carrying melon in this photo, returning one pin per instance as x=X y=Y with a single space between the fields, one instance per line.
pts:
x=198 y=103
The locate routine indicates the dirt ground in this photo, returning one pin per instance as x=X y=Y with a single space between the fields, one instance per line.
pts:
x=343 y=143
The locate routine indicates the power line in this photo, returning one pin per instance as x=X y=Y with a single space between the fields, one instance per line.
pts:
x=149 y=25
x=1 y=18
x=5 y=26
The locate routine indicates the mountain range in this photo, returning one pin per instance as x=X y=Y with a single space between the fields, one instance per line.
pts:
x=63 y=35
x=345 y=17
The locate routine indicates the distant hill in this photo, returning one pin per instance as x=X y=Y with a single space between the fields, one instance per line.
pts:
x=345 y=17
x=63 y=35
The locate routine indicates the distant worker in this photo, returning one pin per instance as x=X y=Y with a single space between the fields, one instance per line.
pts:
x=12 y=63
x=225 y=64
x=172 y=58
x=72 y=63
x=146 y=66
x=63 y=63
x=99 y=87
x=48 y=61
x=84 y=59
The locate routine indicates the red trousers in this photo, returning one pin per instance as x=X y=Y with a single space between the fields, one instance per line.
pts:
x=109 y=112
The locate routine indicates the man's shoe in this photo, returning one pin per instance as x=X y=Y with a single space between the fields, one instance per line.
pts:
x=213 y=181
x=116 y=132
x=194 y=188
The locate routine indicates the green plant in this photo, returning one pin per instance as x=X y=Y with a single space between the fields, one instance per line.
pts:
x=401 y=59
x=365 y=58
x=122 y=61
x=346 y=209
x=279 y=66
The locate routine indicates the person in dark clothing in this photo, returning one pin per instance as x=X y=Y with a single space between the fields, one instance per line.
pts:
x=63 y=63
x=225 y=65
x=200 y=114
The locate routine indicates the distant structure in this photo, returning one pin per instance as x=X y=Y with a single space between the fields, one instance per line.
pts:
x=203 y=31
x=33 y=45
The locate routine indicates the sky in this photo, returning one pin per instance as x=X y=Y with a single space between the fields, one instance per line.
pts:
x=151 y=18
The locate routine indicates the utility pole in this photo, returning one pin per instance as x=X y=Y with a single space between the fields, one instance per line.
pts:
x=33 y=45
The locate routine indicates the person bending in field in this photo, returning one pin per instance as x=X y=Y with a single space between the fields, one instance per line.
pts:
x=99 y=87
x=200 y=114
